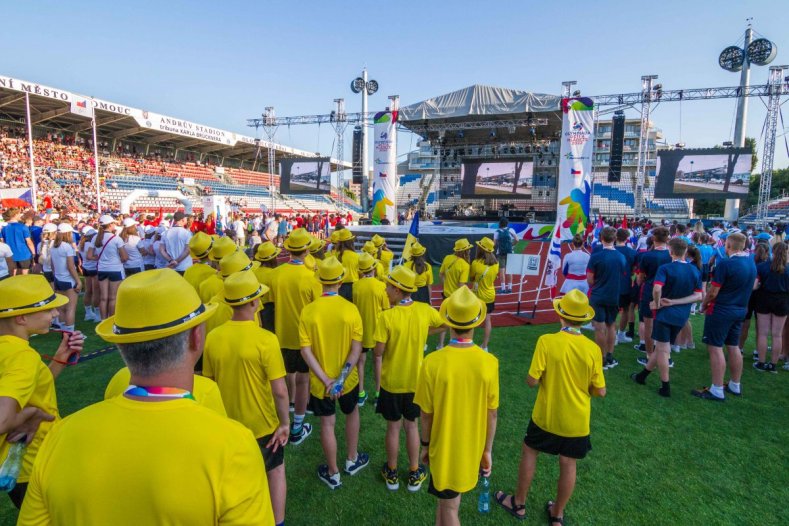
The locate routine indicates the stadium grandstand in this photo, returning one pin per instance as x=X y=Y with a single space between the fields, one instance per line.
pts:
x=139 y=150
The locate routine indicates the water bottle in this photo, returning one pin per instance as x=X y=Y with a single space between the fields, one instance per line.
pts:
x=336 y=389
x=9 y=471
x=483 y=502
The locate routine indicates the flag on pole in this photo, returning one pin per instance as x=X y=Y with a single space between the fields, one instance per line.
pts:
x=413 y=235
x=82 y=106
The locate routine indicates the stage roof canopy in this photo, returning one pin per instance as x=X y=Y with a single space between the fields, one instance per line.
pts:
x=477 y=104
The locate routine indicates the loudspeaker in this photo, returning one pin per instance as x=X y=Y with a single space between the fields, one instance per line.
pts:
x=617 y=145
x=356 y=155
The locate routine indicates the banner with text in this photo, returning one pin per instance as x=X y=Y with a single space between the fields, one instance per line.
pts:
x=385 y=167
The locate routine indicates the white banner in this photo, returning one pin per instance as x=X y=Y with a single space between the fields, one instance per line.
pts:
x=385 y=167
x=575 y=166
x=82 y=107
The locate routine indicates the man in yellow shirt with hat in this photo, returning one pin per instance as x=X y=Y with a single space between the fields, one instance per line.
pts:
x=345 y=254
x=400 y=337
x=369 y=296
x=330 y=332
x=458 y=394
x=169 y=456
x=568 y=368
x=211 y=285
x=293 y=286
x=484 y=270
x=266 y=254
x=384 y=255
x=369 y=248
x=200 y=246
x=229 y=265
x=454 y=272
x=28 y=403
x=246 y=362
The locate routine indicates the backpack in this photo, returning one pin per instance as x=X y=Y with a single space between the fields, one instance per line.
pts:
x=504 y=241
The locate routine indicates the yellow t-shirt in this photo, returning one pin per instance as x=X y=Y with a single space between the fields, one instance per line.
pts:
x=403 y=329
x=455 y=272
x=198 y=273
x=26 y=379
x=350 y=261
x=369 y=296
x=264 y=275
x=566 y=365
x=457 y=386
x=205 y=390
x=210 y=287
x=484 y=277
x=129 y=462
x=310 y=262
x=328 y=325
x=381 y=271
x=293 y=286
x=425 y=278
x=243 y=359
x=386 y=257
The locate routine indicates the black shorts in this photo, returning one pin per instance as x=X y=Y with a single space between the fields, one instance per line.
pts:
x=502 y=259
x=775 y=303
x=17 y=495
x=112 y=276
x=346 y=291
x=665 y=333
x=491 y=307
x=394 y=406
x=605 y=313
x=720 y=330
x=644 y=310
x=5 y=277
x=422 y=294
x=150 y=266
x=267 y=316
x=50 y=276
x=446 y=494
x=635 y=293
x=25 y=264
x=271 y=459
x=624 y=301
x=754 y=299
x=366 y=349
x=294 y=361
x=705 y=272
x=89 y=273
x=63 y=286
x=131 y=271
x=327 y=406
x=545 y=442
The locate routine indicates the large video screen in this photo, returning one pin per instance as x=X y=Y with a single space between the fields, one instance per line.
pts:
x=497 y=179
x=709 y=173
x=305 y=176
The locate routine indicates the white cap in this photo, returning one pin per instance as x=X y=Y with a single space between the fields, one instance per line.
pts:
x=129 y=222
x=65 y=228
x=106 y=220
x=49 y=228
x=88 y=230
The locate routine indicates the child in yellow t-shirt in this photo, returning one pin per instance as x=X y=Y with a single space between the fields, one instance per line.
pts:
x=483 y=273
x=454 y=272
x=423 y=270
x=369 y=296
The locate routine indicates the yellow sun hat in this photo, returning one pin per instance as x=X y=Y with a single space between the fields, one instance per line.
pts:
x=366 y=263
x=378 y=241
x=417 y=249
x=574 y=306
x=316 y=245
x=486 y=244
x=145 y=309
x=243 y=287
x=223 y=247
x=200 y=245
x=26 y=294
x=463 y=310
x=330 y=271
x=345 y=235
x=461 y=245
x=298 y=241
x=370 y=248
x=267 y=251
x=236 y=262
x=402 y=278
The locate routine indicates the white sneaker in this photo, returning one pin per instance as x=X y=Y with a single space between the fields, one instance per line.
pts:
x=621 y=337
x=675 y=349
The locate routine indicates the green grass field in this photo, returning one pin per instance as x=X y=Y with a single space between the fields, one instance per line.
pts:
x=655 y=461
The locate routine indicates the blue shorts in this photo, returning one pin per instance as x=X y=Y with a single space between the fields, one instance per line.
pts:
x=89 y=273
x=112 y=276
x=605 y=313
x=63 y=286
x=644 y=309
x=50 y=276
x=664 y=333
x=722 y=330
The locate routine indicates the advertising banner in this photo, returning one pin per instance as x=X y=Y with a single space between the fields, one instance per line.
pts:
x=385 y=167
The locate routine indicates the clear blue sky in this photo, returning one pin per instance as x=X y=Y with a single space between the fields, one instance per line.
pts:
x=219 y=63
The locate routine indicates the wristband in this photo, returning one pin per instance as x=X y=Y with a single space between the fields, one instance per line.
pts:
x=424 y=443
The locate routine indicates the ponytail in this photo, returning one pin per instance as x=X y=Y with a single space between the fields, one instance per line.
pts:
x=779 y=258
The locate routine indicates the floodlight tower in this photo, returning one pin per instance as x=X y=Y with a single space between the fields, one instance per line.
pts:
x=339 y=120
x=270 y=128
x=760 y=52
x=365 y=87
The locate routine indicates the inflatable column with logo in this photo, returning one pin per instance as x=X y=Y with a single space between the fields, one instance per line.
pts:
x=385 y=167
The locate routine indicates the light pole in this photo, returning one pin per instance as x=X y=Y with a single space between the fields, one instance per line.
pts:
x=365 y=87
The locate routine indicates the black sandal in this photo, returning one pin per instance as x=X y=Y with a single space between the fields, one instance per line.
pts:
x=552 y=519
x=513 y=508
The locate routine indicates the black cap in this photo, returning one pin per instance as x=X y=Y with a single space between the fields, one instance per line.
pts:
x=178 y=216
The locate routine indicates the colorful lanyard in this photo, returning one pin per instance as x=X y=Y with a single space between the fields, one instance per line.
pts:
x=461 y=341
x=572 y=330
x=409 y=301
x=296 y=262
x=330 y=294
x=158 y=392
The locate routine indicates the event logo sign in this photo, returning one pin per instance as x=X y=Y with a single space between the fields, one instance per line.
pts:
x=385 y=163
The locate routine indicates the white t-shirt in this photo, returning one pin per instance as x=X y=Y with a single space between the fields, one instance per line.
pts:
x=159 y=261
x=87 y=264
x=240 y=228
x=5 y=252
x=59 y=262
x=43 y=251
x=110 y=259
x=135 y=258
x=574 y=264
x=147 y=244
x=175 y=240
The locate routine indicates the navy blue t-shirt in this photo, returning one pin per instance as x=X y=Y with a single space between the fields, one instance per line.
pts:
x=35 y=234
x=648 y=265
x=772 y=281
x=607 y=265
x=630 y=258
x=15 y=235
x=735 y=276
x=679 y=279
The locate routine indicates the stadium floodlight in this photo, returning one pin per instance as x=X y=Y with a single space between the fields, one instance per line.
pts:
x=731 y=59
x=372 y=87
x=357 y=85
x=761 y=51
